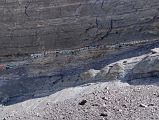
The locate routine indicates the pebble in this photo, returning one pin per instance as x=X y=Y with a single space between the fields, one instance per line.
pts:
x=104 y=114
x=83 y=102
x=143 y=105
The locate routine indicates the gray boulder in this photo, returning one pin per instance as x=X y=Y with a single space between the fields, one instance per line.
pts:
x=90 y=74
x=111 y=72
x=149 y=64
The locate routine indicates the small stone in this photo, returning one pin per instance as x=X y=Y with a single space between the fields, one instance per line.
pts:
x=104 y=105
x=151 y=104
x=154 y=94
x=83 y=102
x=37 y=114
x=142 y=105
x=124 y=61
x=120 y=110
x=124 y=106
x=95 y=105
x=47 y=104
x=104 y=98
x=62 y=117
x=104 y=114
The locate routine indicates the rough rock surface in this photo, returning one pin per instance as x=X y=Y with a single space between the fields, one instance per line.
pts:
x=149 y=66
x=155 y=50
x=40 y=88
x=90 y=74
x=111 y=103
x=79 y=59
x=28 y=26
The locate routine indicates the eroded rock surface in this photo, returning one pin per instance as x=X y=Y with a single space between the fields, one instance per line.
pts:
x=59 y=57
x=28 y=26
x=147 y=65
x=90 y=74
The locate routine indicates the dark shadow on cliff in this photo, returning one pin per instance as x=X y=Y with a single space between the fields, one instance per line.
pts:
x=25 y=88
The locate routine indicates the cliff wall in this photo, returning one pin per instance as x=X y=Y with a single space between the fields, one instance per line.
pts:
x=28 y=26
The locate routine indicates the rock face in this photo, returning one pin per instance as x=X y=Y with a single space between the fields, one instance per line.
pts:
x=148 y=65
x=90 y=74
x=108 y=73
x=27 y=26
x=155 y=50
x=62 y=49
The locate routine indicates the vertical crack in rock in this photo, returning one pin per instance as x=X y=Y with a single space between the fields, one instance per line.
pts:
x=102 y=4
x=11 y=35
x=60 y=9
x=97 y=24
x=109 y=30
x=26 y=7
x=154 y=18
x=77 y=12
x=99 y=36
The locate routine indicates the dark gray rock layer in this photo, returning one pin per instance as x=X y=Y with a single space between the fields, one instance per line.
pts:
x=27 y=26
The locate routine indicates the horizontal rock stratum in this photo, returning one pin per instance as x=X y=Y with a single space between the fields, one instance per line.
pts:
x=79 y=59
x=28 y=26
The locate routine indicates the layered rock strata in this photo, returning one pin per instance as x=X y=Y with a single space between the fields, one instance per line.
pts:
x=28 y=26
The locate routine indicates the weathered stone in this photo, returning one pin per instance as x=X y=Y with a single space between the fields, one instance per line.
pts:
x=149 y=64
x=90 y=74
x=155 y=50
x=115 y=72
x=103 y=72
x=111 y=72
x=28 y=26
x=116 y=68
